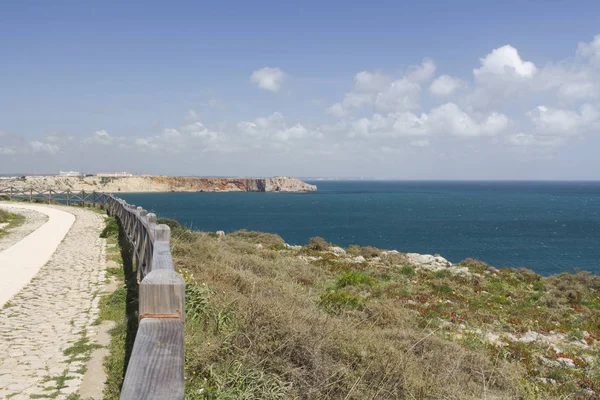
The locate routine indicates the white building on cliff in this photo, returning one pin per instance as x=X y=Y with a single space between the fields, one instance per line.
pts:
x=114 y=174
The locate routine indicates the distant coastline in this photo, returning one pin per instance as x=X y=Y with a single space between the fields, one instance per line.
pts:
x=156 y=184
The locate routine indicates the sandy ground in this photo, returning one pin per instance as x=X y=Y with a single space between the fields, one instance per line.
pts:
x=33 y=220
x=56 y=309
x=22 y=261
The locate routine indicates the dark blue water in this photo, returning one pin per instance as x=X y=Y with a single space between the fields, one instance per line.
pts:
x=546 y=226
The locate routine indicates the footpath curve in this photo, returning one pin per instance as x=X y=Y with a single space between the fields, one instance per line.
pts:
x=48 y=328
x=22 y=261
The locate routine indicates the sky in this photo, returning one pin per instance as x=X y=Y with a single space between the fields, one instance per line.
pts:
x=338 y=89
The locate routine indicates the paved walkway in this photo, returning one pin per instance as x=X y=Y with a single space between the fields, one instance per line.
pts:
x=44 y=329
x=22 y=261
x=33 y=220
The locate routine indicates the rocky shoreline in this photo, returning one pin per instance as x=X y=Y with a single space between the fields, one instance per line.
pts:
x=141 y=184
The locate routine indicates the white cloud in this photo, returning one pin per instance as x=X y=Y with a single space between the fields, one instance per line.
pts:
x=445 y=85
x=146 y=143
x=371 y=82
x=41 y=147
x=422 y=72
x=529 y=140
x=447 y=119
x=337 y=110
x=383 y=92
x=591 y=50
x=420 y=143
x=506 y=61
x=275 y=127
x=402 y=94
x=268 y=78
x=170 y=133
x=192 y=116
x=7 y=151
x=99 y=137
x=199 y=130
x=552 y=121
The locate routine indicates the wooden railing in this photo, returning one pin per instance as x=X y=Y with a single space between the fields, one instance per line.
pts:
x=155 y=369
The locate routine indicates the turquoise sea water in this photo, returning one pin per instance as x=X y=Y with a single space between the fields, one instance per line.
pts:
x=546 y=226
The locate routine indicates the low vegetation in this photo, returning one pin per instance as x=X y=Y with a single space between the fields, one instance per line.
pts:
x=11 y=220
x=269 y=322
x=119 y=306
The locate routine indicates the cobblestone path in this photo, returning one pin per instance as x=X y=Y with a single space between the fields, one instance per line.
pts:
x=46 y=330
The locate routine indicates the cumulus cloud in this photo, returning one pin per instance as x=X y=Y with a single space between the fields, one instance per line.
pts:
x=370 y=82
x=401 y=94
x=199 y=130
x=530 y=140
x=7 y=151
x=505 y=61
x=451 y=119
x=422 y=72
x=275 y=127
x=445 y=85
x=42 y=147
x=337 y=110
x=447 y=119
x=552 y=121
x=591 y=50
x=99 y=137
x=382 y=92
x=268 y=78
x=420 y=143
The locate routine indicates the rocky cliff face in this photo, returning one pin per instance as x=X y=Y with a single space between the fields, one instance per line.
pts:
x=162 y=184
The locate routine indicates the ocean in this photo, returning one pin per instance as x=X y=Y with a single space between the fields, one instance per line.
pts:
x=548 y=227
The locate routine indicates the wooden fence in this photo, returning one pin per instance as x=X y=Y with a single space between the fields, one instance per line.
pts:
x=155 y=369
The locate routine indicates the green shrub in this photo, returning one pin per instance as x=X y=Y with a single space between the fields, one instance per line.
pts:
x=111 y=229
x=334 y=301
x=408 y=271
x=353 y=278
x=318 y=244
x=268 y=240
x=4 y=216
x=365 y=251
x=196 y=301
x=177 y=230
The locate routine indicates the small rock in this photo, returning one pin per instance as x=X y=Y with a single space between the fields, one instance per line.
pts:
x=494 y=339
x=567 y=362
x=259 y=246
x=338 y=251
x=429 y=262
x=308 y=258
x=357 y=259
x=220 y=233
x=292 y=247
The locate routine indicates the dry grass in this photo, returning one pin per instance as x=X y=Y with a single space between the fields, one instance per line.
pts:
x=259 y=327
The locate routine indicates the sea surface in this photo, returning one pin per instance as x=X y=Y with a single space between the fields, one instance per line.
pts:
x=549 y=227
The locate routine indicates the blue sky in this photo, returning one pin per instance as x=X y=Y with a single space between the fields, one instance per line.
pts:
x=397 y=90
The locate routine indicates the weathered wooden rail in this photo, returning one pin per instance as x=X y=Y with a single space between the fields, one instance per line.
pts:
x=155 y=369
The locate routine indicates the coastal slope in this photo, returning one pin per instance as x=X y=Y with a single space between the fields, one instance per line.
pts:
x=161 y=184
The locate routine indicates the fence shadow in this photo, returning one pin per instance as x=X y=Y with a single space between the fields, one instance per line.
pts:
x=131 y=307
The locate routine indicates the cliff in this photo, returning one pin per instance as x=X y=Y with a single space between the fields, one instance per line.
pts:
x=161 y=184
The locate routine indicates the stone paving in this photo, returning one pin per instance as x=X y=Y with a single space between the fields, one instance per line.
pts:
x=47 y=330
